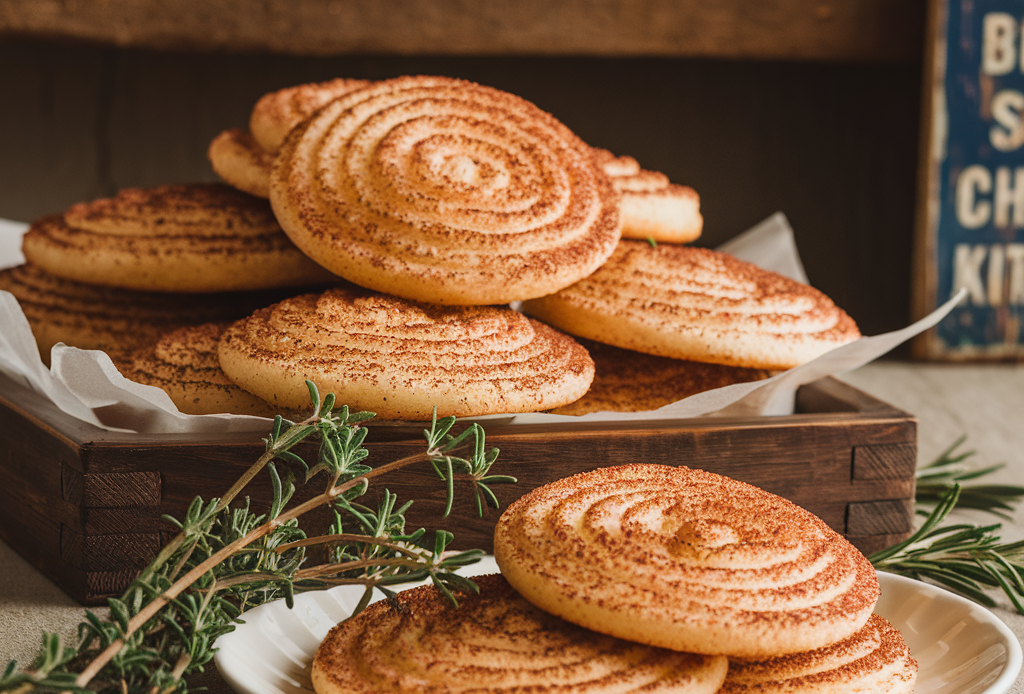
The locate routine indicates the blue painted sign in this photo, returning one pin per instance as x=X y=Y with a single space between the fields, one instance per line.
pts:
x=974 y=218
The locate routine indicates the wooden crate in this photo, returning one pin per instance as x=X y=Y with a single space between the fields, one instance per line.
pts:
x=84 y=505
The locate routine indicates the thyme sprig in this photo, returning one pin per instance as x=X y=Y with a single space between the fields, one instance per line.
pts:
x=226 y=559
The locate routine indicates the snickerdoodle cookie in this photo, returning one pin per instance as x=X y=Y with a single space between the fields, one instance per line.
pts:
x=652 y=207
x=116 y=321
x=401 y=359
x=875 y=659
x=494 y=641
x=243 y=157
x=628 y=381
x=687 y=560
x=441 y=190
x=176 y=238
x=185 y=364
x=698 y=304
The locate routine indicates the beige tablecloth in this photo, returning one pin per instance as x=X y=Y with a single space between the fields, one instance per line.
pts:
x=985 y=402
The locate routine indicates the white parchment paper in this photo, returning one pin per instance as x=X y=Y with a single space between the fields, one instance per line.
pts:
x=86 y=385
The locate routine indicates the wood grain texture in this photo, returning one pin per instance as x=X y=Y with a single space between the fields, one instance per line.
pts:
x=121 y=489
x=874 y=30
x=880 y=517
x=119 y=552
x=892 y=461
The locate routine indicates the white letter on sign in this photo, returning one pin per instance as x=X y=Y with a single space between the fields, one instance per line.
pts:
x=1007 y=106
x=1015 y=257
x=971 y=212
x=998 y=34
x=1009 y=195
x=967 y=271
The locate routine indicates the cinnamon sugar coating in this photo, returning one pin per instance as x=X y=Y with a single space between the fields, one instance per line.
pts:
x=698 y=304
x=401 y=359
x=242 y=158
x=875 y=659
x=493 y=642
x=176 y=238
x=685 y=559
x=652 y=206
x=276 y=113
x=185 y=364
x=628 y=381
x=116 y=321
x=240 y=162
x=441 y=190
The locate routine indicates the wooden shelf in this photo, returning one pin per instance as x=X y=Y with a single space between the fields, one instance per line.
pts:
x=817 y=30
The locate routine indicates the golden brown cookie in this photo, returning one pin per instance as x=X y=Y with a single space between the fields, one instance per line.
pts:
x=181 y=238
x=698 y=304
x=628 y=381
x=875 y=659
x=687 y=560
x=277 y=113
x=493 y=642
x=441 y=190
x=652 y=207
x=401 y=359
x=243 y=157
x=117 y=321
x=240 y=161
x=184 y=363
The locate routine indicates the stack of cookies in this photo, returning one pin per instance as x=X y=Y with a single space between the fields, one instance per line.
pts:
x=427 y=205
x=638 y=578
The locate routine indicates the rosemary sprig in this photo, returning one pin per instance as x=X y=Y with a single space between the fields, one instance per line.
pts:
x=227 y=559
x=949 y=469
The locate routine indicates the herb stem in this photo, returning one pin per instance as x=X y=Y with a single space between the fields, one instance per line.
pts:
x=146 y=613
x=292 y=436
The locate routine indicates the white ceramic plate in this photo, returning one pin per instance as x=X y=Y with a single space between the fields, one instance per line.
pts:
x=962 y=647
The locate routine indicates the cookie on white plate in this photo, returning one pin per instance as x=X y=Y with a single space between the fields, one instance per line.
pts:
x=686 y=560
x=494 y=641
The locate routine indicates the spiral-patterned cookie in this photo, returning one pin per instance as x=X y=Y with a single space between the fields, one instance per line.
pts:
x=685 y=559
x=628 y=381
x=698 y=304
x=240 y=162
x=441 y=190
x=401 y=359
x=652 y=207
x=117 y=321
x=243 y=157
x=277 y=113
x=181 y=238
x=493 y=642
x=185 y=364
x=875 y=659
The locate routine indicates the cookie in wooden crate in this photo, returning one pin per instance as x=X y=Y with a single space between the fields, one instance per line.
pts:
x=445 y=191
x=694 y=303
x=176 y=238
x=401 y=359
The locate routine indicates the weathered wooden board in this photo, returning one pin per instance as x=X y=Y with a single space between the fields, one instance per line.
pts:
x=874 y=30
x=85 y=505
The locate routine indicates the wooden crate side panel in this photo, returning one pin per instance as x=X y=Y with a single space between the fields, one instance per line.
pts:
x=885 y=461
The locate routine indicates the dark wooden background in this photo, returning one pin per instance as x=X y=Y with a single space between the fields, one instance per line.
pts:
x=830 y=139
